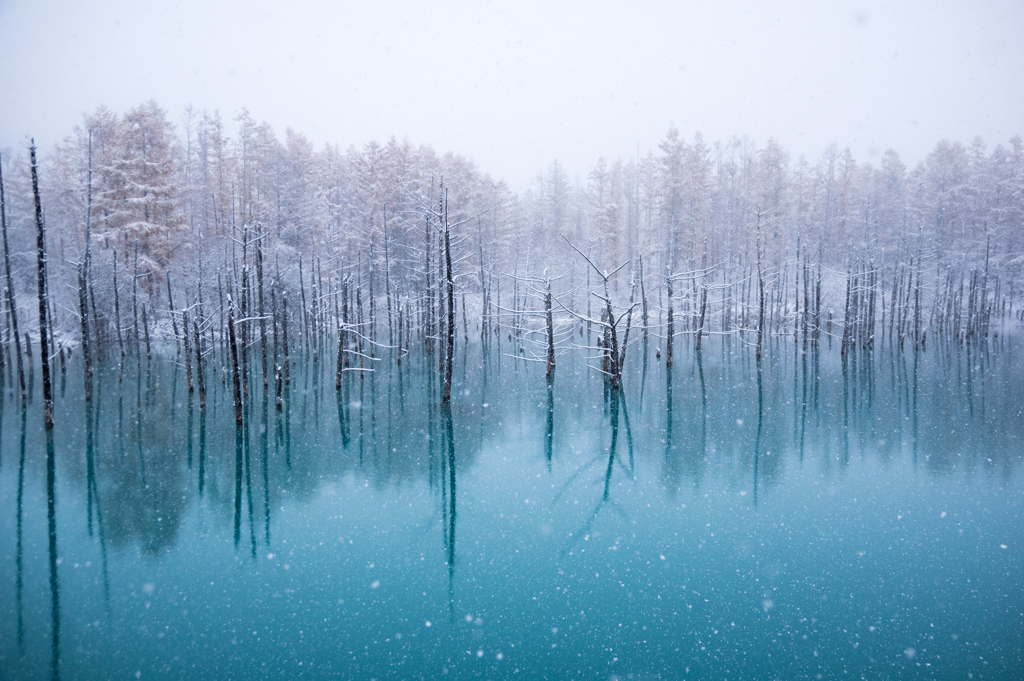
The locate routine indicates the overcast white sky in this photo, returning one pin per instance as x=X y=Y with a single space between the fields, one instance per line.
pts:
x=514 y=85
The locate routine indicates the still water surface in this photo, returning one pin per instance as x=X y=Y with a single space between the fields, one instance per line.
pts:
x=811 y=519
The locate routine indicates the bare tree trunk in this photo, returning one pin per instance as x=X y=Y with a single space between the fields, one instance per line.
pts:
x=703 y=295
x=643 y=300
x=483 y=288
x=235 y=376
x=629 y=321
x=261 y=311
x=286 y=360
x=846 y=313
x=135 y=306
x=83 y=307
x=304 y=332
x=450 y=349
x=11 y=306
x=117 y=312
x=442 y=314
x=551 y=331
x=199 y=365
x=44 y=345
x=387 y=282
x=244 y=322
x=170 y=309
x=342 y=323
x=145 y=332
x=274 y=321
x=670 y=331
x=188 y=352
x=83 y=283
x=760 y=290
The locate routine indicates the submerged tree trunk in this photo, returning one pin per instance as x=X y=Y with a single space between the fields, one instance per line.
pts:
x=450 y=281
x=703 y=295
x=551 y=331
x=760 y=290
x=199 y=365
x=387 y=283
x=262 y=310
x=117 y=311
x=11 y=306
x=286 y=362
x=670 y=330
x=83 y=307
x=44 y=344
x=170 y=311
x=643 y=301
x=235 y=374
x=188 y=352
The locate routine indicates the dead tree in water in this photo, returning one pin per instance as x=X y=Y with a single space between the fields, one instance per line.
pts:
x=262 y=310
x=450 y=282
x=44 y=344
x=170 y=310
x=83 y=307
x=188 y=352
x=609 y=322
x=342 y=334
x=703 y=295
x=117 y=310
x=643 y=300
x=670 y=329
x=199 y=365
x=760 y=289
x=387 y=280
x=233 y=349
x=11 y=307
x=551 y=331
x=137 y=337
x=83 y=281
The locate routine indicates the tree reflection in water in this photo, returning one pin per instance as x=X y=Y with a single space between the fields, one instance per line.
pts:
x=717 y=425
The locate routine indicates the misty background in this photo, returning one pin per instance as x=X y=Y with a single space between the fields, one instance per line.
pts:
x=513 y=86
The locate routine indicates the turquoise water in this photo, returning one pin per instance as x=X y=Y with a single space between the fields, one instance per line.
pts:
x=802 y=519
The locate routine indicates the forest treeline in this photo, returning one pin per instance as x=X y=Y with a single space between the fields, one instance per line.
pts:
x=214 y=220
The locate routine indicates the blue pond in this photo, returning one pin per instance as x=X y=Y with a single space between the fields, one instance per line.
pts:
x=803 y=517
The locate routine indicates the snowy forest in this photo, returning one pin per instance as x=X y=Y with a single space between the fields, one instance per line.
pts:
x=160 y=230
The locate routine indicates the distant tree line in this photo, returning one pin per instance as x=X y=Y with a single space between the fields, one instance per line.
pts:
x=363 y=245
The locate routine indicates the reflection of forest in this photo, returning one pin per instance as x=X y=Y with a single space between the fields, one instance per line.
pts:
x=154 y=454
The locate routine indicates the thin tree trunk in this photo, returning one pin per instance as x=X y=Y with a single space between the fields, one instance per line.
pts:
x=235 y=374
x=643 y=300
x=342 y=324
x=387 y=282
x=450 y=349
x=188 y=352
x=170 y=309
x=703 y=295
x=286 y=363
x=135 y=305
x=83 y=307
x=145 y=331
x=44 y=346
x=11 y=305
x=551 y=331
x=261 y=311
x=117 y=313
x=670 y=331
x=303 y=331
x=199 y=365
x=760 y=290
